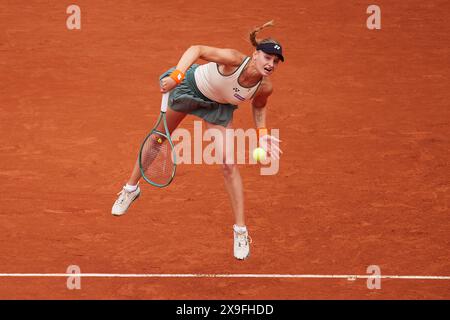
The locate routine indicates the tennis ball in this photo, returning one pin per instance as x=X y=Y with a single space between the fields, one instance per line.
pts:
x=259 y=154
x=159 y=140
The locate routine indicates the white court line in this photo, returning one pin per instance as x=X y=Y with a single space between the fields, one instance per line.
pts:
x=187 y=275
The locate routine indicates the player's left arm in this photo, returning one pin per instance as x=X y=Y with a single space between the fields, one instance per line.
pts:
x=266 y=141
x=259 y=103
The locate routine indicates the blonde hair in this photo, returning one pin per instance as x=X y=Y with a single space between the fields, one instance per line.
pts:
x=254 y=41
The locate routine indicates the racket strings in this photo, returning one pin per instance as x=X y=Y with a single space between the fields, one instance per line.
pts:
x=156 y=159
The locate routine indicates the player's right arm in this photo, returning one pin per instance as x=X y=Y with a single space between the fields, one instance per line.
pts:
x=229 y=57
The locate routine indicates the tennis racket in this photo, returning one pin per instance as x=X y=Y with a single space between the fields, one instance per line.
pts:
x=157 y=160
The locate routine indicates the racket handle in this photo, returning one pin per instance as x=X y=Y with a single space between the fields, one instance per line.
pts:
x=165 y=101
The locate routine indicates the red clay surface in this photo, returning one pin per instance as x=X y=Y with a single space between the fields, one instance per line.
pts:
x=364 y=178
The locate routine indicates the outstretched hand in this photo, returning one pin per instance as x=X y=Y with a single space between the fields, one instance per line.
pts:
x=270 y=144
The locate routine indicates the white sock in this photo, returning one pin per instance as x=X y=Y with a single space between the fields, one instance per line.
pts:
x=240 y=229
x=130 y=188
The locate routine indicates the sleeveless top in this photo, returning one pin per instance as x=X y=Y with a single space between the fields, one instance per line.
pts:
x=221 y=88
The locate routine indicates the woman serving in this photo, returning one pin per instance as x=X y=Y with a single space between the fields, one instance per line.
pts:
x=212 y=92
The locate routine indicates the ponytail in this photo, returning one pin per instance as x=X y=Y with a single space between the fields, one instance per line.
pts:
x=253 y=39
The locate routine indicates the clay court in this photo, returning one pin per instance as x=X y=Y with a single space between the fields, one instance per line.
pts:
x=364 y=178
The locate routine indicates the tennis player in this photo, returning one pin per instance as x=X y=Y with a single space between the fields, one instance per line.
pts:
x=212 y=92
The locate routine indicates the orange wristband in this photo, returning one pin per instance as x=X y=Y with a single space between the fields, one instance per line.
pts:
x=261 y=132
x=177 y=75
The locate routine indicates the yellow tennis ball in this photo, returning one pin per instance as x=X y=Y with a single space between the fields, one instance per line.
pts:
x=259 y=154
x=159 y=140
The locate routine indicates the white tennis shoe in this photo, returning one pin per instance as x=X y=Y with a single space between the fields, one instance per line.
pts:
x=124 y=201
x=241 y=245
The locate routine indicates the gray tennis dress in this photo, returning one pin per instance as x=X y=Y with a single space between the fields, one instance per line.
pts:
x=187 y=98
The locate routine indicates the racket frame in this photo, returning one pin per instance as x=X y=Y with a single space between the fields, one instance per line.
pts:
x=166 y=134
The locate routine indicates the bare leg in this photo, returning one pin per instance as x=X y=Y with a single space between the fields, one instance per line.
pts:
x=173 y=119
x=233 y=181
